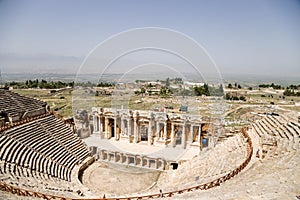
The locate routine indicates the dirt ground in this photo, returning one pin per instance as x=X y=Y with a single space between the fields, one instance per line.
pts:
x=115 y=179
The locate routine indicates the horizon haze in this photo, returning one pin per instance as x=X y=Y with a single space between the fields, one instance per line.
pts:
x=242 y=38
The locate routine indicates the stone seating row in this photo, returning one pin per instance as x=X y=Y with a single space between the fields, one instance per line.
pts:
x=15 y=105
x=57 y=133
x=277 y=135
x=38 y=141
x=24 y=156
x=8 y=96
x=32 y=180
x=275 y=126
x=223 y=158
x=52 y=150
x=71 y=141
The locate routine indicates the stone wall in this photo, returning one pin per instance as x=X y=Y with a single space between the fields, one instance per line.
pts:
x=129 y=159
x=155 y=128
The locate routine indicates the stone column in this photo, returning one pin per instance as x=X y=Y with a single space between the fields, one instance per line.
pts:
x=183 y=136
x=192 y=133
x=100 y=124
x=148 y=162
x=106 y=127
x=135 y=159
x=95 y=123
x=142 y=160
x=135 y=133
x=115 y=156
x=123 y=158
x=101 y=154
x=129 y=126
x=128 y=159
x=115 y=128
x=199 y=134
x=173 y=140
x=150 y=132
x=165 y=131
x=156 y=163
x=199 y=137
x=158 y=129
x=122 y=126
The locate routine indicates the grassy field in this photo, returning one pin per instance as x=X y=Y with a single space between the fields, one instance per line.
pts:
x=64 y=101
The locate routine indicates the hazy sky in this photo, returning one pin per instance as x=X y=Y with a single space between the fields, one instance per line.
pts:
x=240 y=36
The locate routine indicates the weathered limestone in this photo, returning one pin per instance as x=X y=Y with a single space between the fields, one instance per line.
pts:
x=130 y=159
x=276 y=135
x=156 y=128
x=15 y=107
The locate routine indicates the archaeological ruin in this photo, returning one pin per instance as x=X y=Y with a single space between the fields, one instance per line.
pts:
x=45 y=156
x=155 y=128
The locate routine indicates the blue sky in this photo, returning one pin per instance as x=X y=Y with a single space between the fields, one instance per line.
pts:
x=241 y=36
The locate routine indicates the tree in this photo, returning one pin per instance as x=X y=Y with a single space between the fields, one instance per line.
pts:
x=227 y=96
x=288 y=92
x=235 y=98
x=229 y=85
x=168 y=82
x=164 y=91
x=201 y=90
x=206 y=89
x=221 y=90
x=239 y=86
x=242 y=98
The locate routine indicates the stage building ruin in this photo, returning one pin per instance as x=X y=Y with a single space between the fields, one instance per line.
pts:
x=154 y=128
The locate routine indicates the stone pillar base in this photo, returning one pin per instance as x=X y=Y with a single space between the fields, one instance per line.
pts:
x=195 y=145
x=131 y=138
x=124 y=137
x=102 y=135
x=160 y=142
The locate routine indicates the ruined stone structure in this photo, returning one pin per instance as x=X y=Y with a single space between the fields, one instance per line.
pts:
x=83 y=127
x=129 y=159
x=15 y=107
x=155 y=128
x=40 y=156
x=276 y=135
x=38 y=151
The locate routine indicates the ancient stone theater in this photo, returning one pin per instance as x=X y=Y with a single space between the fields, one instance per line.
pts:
x=112 y=154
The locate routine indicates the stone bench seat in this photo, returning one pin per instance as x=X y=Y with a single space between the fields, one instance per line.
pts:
x=223 y=158
x=295 y=127
x=292 y=130
x=257 y=130
x=271 y=122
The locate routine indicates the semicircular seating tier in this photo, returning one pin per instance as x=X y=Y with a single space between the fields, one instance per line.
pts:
x=38 y=152
x=15 y=107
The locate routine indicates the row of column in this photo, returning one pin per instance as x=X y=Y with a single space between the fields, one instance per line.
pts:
x=125 y=158
x=125 y=130
x=126 y=125
x=184 y=134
